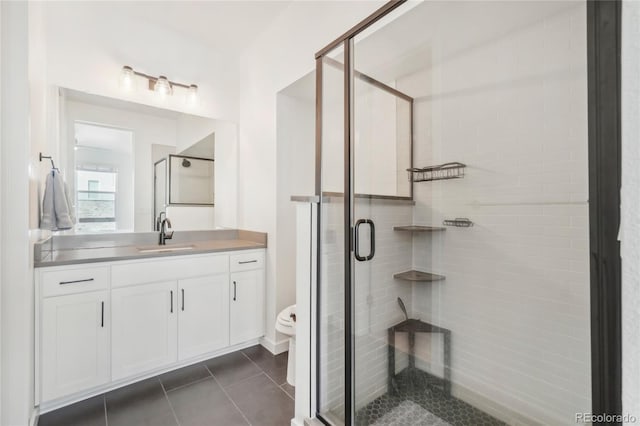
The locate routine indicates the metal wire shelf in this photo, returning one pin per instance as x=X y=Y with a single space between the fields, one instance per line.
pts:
x=460 y=222
x=454 y=170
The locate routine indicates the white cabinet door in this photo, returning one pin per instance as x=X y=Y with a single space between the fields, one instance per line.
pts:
x=246 y=318
x=203 y=315
x=75 y=343
x=144 y=328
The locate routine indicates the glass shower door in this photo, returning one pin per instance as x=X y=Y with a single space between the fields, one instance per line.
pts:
x=365 y=151
x=381 y=144
x=454 y=280
x=489 y=252
x=331 y=333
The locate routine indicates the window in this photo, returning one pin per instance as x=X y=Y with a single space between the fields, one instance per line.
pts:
x=93 y=185
x=96 y=200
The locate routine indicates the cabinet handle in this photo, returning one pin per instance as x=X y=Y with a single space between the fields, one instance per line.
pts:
x=234 y=290
x=76 y=281
x=171 y=300
x=102 y=315
x=248 y=261
x=183 y=299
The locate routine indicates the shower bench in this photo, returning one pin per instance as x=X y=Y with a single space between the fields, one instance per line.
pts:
x=411 y=327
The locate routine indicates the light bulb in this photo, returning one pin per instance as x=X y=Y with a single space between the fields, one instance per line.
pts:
x=192 y=95
x=162 y=86
x=126 y=78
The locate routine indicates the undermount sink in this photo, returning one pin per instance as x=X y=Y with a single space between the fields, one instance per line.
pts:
x=163 y=249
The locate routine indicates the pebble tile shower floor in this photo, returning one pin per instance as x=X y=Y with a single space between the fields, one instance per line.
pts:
x=246 y=387
x=422 y=405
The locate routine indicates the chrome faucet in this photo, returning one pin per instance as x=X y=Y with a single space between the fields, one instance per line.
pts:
x=164 y=234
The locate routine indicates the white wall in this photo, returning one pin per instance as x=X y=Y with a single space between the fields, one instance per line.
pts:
x=158 y=152
x=630 y=235
x=192 y=129
x=295 y=176
x=511 y=103
x=281 y=55
x=89 y=42
x=16 y=163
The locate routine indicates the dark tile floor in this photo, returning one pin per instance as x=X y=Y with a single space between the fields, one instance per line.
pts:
x=247 y=387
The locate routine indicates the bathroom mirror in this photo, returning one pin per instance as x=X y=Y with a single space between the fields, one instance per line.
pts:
x=190 y=180
x=110 y=153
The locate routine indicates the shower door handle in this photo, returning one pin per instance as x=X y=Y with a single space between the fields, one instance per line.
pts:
x=356 y=243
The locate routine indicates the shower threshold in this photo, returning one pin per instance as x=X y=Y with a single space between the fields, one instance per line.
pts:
x=419 y=400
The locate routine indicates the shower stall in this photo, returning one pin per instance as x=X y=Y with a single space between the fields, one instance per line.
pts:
x=453 y=253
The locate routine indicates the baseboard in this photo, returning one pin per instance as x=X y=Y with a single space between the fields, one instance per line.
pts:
x=273 y=346
x=35 y=415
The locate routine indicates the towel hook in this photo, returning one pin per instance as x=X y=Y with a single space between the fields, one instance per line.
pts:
x=48 y=157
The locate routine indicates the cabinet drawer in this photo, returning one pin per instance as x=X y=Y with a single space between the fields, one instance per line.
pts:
x=246 y=261
x=77 y=280
x=124 y=274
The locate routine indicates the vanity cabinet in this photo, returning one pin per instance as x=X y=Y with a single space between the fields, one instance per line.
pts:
x=203 y=315
x=75 y=343
x=103 y=325
x=246 y=316
x=145 y=322
x=156 y=324
x=246 y=311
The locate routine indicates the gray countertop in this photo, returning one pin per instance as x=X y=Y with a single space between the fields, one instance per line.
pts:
x=77 y=249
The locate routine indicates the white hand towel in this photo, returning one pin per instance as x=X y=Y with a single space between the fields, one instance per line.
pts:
x=57 y=207
x=48 y=220
x=60 y=204
x=70 y=203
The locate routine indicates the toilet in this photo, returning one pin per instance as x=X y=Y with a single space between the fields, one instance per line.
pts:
x=286 y=324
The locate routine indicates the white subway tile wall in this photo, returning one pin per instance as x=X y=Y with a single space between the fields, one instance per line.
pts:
x=516 y=295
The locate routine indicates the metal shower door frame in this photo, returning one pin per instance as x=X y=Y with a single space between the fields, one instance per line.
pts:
x=346 y=40
x=603 y=44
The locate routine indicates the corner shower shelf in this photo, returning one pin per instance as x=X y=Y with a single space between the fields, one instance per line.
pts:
x=419 y=228
x=418 y=276
x=454 y=170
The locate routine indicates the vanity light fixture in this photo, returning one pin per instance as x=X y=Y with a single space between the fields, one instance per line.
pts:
x=192 y=95
x=126 y=78
x=161 y=84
